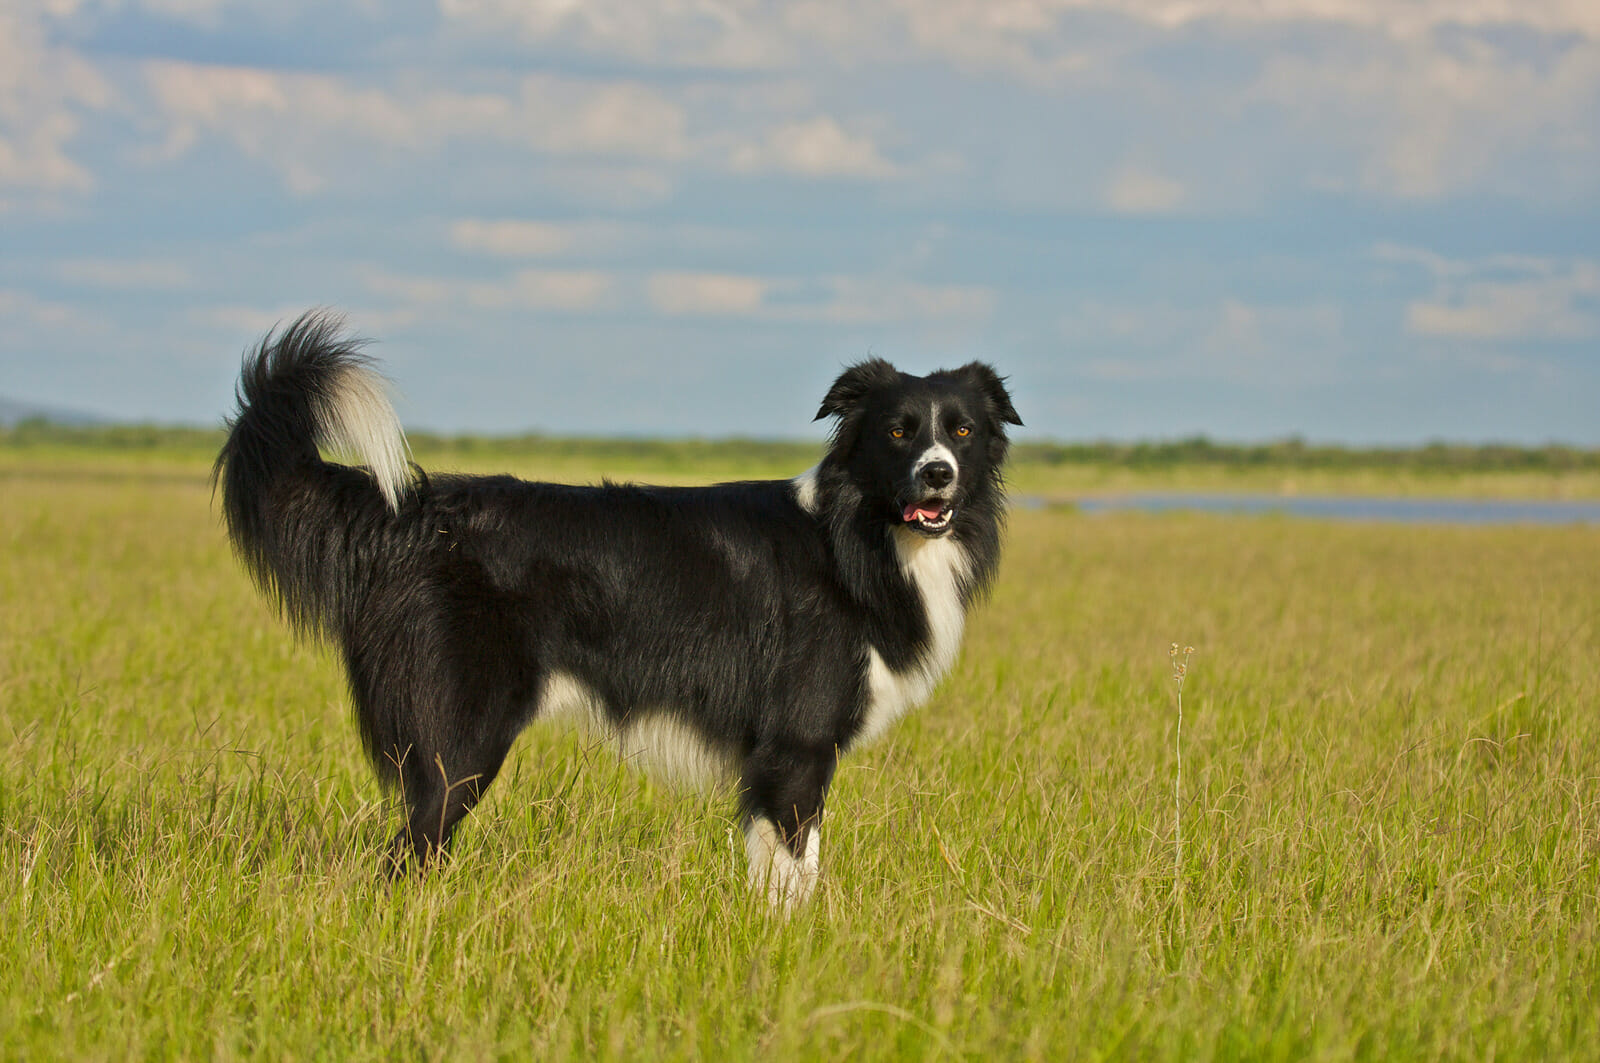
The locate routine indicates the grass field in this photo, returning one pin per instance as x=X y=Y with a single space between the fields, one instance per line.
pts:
x=1390 y=819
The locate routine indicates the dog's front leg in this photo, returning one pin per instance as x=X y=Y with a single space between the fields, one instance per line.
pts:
x=782 y=794
x=788 y=873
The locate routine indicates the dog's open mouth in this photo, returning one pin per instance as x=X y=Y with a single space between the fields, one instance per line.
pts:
x=932 y=515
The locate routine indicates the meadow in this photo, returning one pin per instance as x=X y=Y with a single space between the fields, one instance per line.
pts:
x=1390 y=811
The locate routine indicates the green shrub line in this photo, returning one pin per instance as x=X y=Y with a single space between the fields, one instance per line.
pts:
x=1149 y=455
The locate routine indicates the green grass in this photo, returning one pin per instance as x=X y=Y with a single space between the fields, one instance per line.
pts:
x=1391 y=820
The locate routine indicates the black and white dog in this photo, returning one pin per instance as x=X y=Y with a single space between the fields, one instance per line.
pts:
x=745 y=631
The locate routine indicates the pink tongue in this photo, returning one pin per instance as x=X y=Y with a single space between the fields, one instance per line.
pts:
x=913 y=511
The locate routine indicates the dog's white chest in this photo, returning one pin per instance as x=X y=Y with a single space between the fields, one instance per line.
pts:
x=936 y=568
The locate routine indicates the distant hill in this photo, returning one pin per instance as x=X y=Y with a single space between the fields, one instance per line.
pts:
x=13 y=413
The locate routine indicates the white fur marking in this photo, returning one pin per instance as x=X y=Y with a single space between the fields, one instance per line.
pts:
x=568 y=699
x=788 y=882
x=937 y=452
x=356 y=418
x=805 y=490
x=669 y=750
x=936 y=568
x=658 y=743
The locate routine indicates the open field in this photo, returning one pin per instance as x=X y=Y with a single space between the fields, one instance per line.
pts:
x=1390 y=818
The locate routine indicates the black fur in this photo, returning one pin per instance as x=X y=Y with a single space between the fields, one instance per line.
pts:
x=747 y=612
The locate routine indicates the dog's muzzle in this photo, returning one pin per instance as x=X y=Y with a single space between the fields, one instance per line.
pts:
x=932 y=507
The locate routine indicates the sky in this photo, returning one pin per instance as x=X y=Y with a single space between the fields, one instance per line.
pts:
x=1357 y=221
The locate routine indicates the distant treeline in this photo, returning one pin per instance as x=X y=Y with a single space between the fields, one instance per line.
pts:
x=35 y=432
x=1197 y=450
x=1298 y=454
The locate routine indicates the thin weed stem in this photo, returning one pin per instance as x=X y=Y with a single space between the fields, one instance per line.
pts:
x=1180 y=671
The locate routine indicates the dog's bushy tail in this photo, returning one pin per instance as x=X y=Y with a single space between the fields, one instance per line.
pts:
x=302 y=525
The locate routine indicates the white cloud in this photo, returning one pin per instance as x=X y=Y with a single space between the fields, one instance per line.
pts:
x=251 y=321
x=1249 y=339
x=34 y=310
x=412 y=289
x=511 y=238
x=307 y=124
x=727 y=34
x=1414 y=16
x=1136 y=191
x=1381 y=104
x=568 y=116
x=706 y=293
x=292 y=120
x=861 y=300
x=836 y=299
x=154 y=274
x=612 y=186
x=1034 y=40
x=527 y=289
x=243 y=318
x=1246 y=343
x=1414 y=120
x=818 y=147
x=44 y=90
x=1503 y=298
x=1416 y=100
x=545 y=289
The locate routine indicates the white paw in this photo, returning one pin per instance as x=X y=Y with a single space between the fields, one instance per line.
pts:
x=788 y=882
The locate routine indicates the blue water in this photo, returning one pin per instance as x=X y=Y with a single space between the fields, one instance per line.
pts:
x=1401 y=510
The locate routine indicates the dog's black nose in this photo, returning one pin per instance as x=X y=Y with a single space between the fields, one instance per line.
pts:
x=937 y=474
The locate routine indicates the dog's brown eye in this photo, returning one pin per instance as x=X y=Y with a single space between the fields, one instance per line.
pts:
x=898 y=433
x=964 y=430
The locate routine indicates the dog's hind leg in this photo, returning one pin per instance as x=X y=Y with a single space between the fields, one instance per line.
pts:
x=441 y=788
x=782 y=793
x=455 y=708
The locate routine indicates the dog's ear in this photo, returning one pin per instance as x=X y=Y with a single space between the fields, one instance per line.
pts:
x=854 y=384
x=992 y=386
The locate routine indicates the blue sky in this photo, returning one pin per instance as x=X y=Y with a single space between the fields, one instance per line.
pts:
x=1352 y=220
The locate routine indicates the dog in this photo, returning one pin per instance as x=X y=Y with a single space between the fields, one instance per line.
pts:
x=743 y=632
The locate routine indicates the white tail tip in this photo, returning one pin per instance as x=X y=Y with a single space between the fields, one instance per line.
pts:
x=356 y=419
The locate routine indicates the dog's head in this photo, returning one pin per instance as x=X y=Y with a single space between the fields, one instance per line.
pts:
x=920 y=449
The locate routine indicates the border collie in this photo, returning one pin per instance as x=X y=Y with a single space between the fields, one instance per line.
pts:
x=747 y=632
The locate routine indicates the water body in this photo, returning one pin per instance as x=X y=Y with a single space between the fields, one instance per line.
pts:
x=1398 y=510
